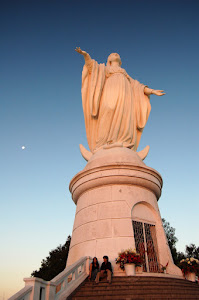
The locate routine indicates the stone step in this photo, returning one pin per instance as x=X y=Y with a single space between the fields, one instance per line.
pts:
x=135 y=278
x=138 y=288
x=136 y=292
x=133 y=288
x=147 y=280
x=143 y=284
x=133 y=297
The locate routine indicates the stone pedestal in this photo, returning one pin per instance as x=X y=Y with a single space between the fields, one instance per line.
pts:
x=115 y=188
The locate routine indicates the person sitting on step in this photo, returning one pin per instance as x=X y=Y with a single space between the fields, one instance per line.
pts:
x=105 y=270
x=94 y=269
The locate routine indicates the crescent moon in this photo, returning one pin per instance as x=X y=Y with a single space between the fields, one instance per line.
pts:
x=87 y=154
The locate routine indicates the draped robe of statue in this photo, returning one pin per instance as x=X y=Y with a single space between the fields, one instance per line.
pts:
x=115 y=107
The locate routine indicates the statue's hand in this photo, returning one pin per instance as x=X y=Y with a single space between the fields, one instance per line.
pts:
x=158 y=92
x=80 y=51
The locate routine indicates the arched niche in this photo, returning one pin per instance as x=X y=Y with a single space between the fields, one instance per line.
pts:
x=144 y=212
x=143 y=222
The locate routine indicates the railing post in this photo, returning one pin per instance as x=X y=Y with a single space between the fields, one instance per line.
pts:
x=36 y=284
x=65 y=283
x=50 y=291
x=76 y=273
x=83 y=269
x=87 y=265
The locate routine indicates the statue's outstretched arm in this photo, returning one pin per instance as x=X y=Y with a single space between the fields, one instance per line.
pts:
x=149 y=91
x=87 y=58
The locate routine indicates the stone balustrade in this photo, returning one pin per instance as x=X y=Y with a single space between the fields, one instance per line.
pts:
x=59 y=288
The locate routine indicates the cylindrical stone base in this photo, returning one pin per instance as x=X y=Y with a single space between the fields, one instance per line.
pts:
x=115 y=188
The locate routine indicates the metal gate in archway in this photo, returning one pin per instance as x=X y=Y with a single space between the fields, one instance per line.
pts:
x=146 y=245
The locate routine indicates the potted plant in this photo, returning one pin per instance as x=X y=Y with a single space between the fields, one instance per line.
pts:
x=128 y=260
x=190 y=268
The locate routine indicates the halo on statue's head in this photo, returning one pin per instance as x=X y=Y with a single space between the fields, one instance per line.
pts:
x=114 y=57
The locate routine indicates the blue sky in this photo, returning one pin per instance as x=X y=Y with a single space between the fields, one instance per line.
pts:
x=40 y=101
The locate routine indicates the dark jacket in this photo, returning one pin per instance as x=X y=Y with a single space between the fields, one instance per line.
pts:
x=106 y=266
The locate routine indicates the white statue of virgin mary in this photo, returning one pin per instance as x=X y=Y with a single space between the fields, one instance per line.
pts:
x=116 y=107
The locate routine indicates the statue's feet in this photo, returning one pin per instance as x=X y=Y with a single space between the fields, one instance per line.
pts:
x=112 y=145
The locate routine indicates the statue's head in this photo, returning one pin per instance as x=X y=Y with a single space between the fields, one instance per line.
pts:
x=114 y=57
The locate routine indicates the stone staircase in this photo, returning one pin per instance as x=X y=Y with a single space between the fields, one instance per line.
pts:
x=139 y=287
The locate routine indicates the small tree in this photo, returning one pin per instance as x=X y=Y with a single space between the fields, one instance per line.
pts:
x=192 y=251
x=55 y=263
x=172 y=240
